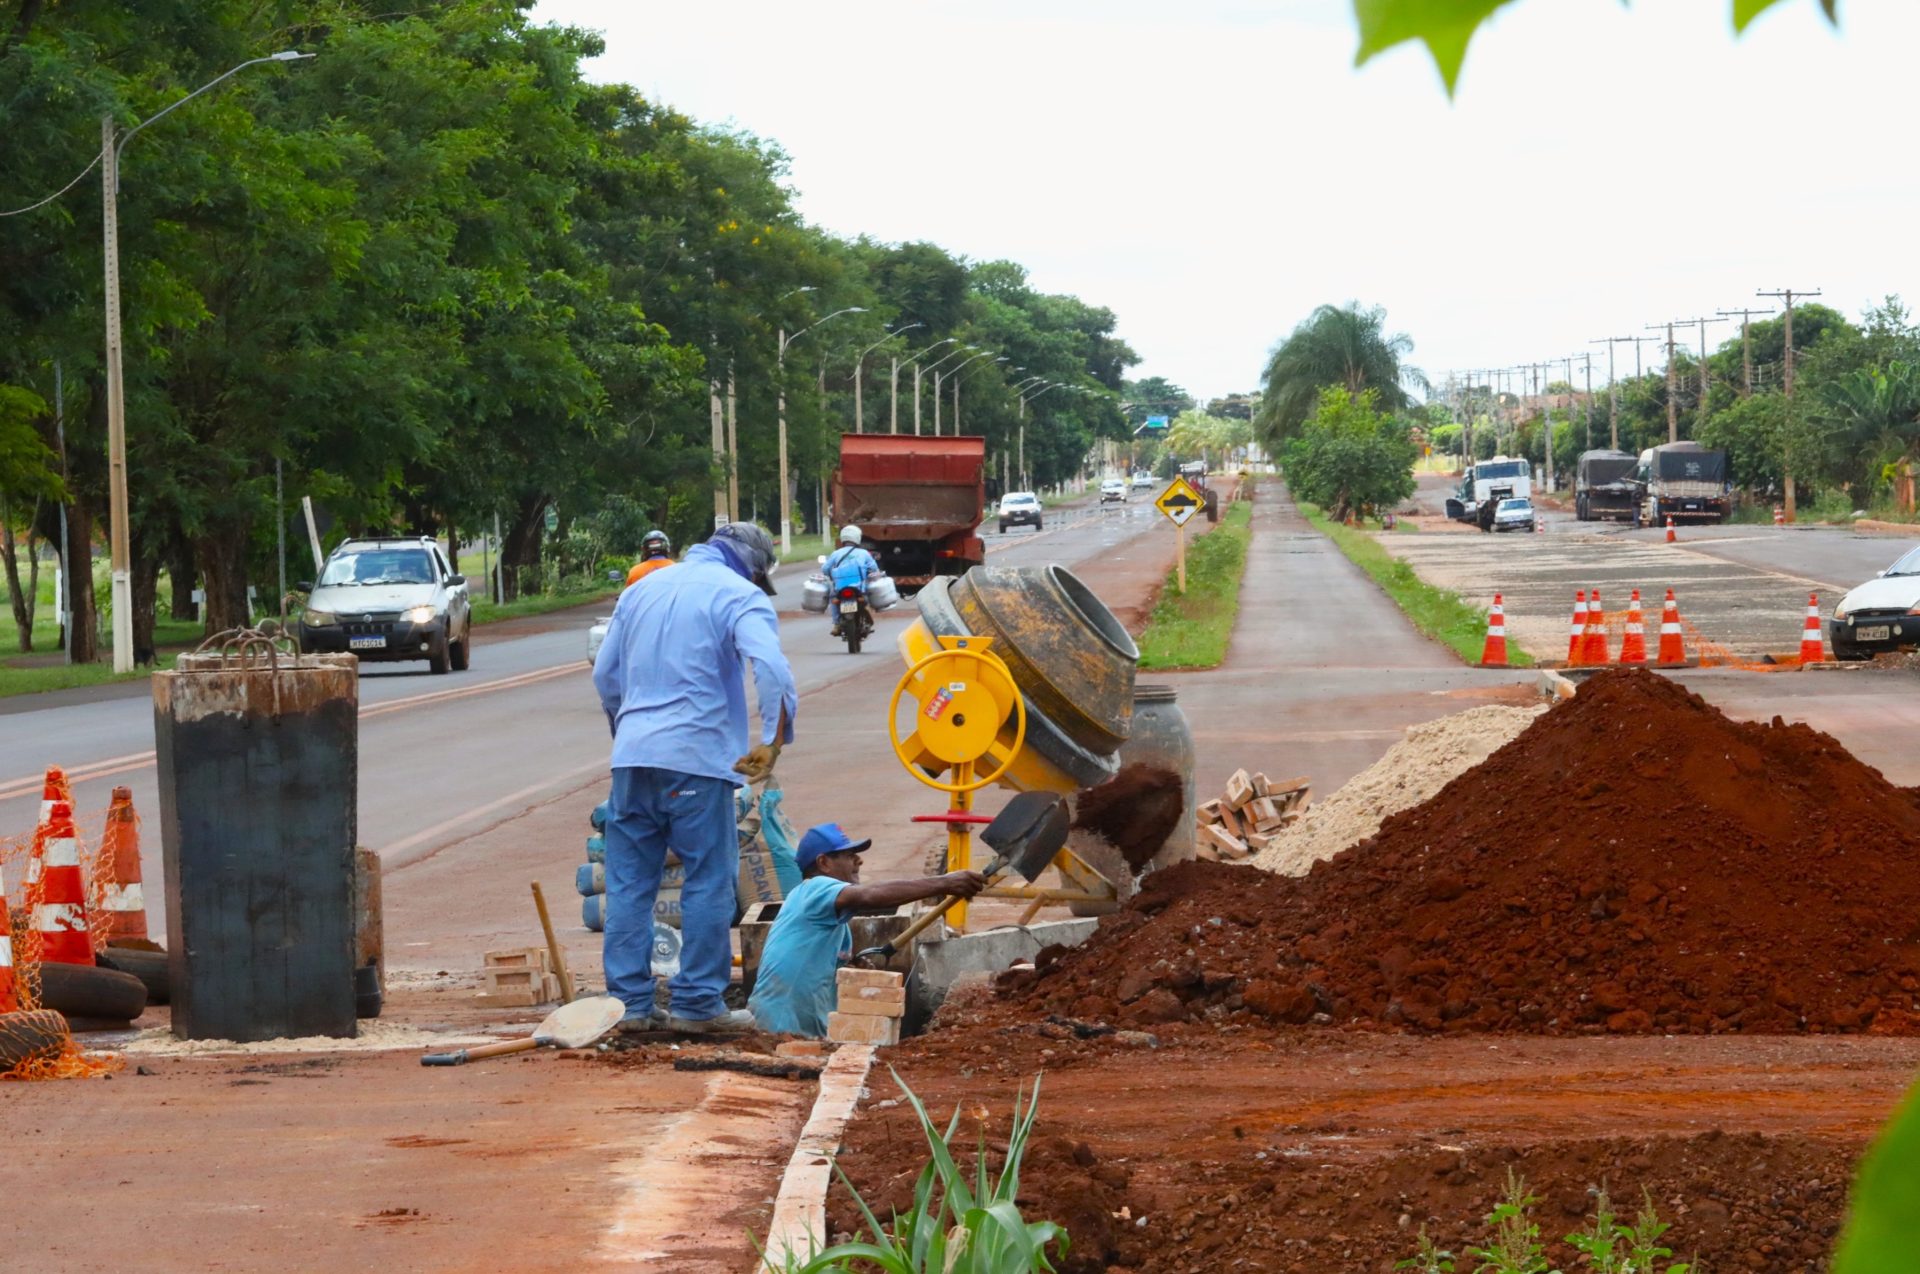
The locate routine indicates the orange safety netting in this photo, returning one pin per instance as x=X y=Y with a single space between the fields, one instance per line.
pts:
x=40 y=1038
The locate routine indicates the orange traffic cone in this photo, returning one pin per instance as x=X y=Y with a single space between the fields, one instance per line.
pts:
x=60 y=915
x=1595 y=651
x=1673 y=647
x=9 y=1002
x=1669 y=528
x=53 y=790
x=121 y=899
x=1812 y=649
x=1494 y=653
x=1633 y=646
x=1577 y=636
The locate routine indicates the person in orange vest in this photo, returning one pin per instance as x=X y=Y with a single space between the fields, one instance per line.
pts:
x=656 y=551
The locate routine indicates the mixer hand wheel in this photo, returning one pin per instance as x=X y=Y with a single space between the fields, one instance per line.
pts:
x=965 y=695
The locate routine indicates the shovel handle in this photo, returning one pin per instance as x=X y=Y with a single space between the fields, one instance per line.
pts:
x=891 y=947
x=465 y=1055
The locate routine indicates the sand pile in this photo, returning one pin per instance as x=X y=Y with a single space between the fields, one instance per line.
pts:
x=1633 y=861
x=1431 y=756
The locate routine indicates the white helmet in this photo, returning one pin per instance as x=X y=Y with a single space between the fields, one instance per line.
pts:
x=850 y=535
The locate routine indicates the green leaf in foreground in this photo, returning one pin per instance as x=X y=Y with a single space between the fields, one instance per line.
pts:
x=1883 y=1225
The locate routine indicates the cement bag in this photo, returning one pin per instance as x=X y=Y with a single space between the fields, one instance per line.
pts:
x=777 y=834
x=590 y=879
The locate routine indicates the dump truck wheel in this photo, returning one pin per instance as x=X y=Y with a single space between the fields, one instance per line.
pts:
x=85 y=990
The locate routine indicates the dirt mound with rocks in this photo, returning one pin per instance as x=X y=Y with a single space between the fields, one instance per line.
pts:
x=1135 y=811
x=1633 y=861
x=1432 y=755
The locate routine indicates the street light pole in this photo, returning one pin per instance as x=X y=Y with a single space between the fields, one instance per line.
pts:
x=780 y=376
x=915 y=360
x=120 y=558
x=937 y=376
x=956 y=387
x=859 y=368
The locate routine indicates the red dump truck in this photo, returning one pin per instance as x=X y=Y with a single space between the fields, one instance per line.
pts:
x=916 y=499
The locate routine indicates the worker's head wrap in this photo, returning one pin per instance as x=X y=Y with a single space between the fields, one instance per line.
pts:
x=748 y=550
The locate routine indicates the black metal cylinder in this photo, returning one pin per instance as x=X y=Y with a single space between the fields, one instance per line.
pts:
x=258 y=762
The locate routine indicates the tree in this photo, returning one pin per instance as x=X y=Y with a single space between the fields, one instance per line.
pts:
x=1348 y=458
x=1155 y=396
x=1873 y=426
x=27 y=480
x=1346 y=346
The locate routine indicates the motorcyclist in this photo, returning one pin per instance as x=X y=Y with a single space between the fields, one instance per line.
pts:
x=656 y=551
x=848 y=566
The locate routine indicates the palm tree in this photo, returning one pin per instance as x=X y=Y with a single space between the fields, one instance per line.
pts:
x=1874 y=418
x=1337 y=345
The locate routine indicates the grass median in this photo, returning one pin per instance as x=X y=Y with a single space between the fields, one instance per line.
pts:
x=1191 y=629
x=1438 y=613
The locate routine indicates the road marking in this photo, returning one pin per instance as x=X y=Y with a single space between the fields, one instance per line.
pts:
x=480 y=811
x=14 y=789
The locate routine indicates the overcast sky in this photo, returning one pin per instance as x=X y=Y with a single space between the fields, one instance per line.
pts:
x=1213 y=169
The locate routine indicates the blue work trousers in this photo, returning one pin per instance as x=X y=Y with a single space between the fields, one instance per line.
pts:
x=650 y=810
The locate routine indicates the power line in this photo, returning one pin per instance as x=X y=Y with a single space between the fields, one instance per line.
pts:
x=91 y=164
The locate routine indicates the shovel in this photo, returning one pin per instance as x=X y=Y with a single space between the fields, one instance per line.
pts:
x=573 y=1025
x=1024 y=837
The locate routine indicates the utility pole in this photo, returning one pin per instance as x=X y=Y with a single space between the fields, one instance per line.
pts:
x=1787 y=295
x=1673 y=384
x=1589 y=357
x=1703 y=359
x=733 y=447
x=1746 y=344
x=1546 y=419
x=1613 y=390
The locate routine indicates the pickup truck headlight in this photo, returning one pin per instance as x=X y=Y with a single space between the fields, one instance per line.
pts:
x=317 y=618
x=419 y=615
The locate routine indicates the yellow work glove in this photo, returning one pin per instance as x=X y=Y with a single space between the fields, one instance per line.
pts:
x=757 y=765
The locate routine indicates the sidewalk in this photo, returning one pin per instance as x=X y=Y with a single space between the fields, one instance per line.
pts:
x=1324 y=673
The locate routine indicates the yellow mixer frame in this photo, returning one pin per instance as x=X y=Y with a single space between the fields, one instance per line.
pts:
x=971 y=715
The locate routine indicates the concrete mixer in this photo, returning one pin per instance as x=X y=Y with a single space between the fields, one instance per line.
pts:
x=982 y=638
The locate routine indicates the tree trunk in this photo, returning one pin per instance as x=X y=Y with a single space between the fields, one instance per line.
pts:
x=21 y=599
x=222 y=559
x=180 y=571
x=520 y=547
x=83 y=637
x=453 y=547
x=146 y=599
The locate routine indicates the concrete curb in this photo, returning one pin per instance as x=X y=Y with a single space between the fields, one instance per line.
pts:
x=799 y=1222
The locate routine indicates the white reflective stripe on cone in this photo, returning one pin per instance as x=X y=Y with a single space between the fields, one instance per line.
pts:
x=51 y=917
x=64 y=852
x=1496 y=630
x=123 y=898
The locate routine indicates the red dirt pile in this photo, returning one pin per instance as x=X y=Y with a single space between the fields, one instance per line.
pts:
x=1634 y=861
x=1134 y=811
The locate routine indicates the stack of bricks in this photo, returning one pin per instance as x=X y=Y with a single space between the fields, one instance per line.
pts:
x=518 y=979
x=1248 y=817
x=872 y=1002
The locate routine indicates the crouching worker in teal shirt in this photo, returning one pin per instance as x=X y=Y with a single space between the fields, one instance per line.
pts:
x=794 y=990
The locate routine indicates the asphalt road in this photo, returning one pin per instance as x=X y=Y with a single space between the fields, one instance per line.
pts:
x=443 y=759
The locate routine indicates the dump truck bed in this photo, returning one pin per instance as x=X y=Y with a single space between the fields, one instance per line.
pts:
x=907 y=487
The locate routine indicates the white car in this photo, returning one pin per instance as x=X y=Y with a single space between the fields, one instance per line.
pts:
x=596 y=636
x=386 y=599
x=1513 y=515
x=1142 y=480
x=1113 y=489
x=1020 y=508
x=1880 y=615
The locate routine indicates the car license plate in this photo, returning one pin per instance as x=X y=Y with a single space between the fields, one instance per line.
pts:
x=1879 y=632
x=366 y=643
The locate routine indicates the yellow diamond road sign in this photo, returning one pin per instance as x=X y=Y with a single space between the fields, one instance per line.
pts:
x=1179 y=502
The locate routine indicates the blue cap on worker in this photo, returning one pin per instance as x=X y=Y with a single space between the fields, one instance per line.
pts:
x=827 y=838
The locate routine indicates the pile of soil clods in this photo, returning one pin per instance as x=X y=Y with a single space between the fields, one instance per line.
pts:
x=1633 y=861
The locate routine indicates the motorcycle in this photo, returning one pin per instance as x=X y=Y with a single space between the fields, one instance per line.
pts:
x=856 y=617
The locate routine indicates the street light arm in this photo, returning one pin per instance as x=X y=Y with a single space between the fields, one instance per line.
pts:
x=914 y=358
x=883 y=340
x=983 y=367
x=288 y=55
x=950 y=354
x=851 y=309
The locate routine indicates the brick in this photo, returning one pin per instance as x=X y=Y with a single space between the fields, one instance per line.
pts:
x=869 y=977
x=1290 y=785
x=1221 y=843
x=1260 y=785
x=1239 y=789
x=1208 y=813
x=522 y=999
x=517 y=958
x=1233 y=822
x=1204 y=851
x=1264 y=813
x=511 y=979
x=883 y=1001
x=860 y=1028
x=1259 y=841
x=800 y=1048
x=550 y=988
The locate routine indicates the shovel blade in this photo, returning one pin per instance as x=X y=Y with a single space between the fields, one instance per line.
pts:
x=580 y=1023
x=1028 y=832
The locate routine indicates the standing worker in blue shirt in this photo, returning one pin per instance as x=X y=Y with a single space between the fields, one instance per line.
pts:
x=671 y=676
x=796 y=987
x=848 y=566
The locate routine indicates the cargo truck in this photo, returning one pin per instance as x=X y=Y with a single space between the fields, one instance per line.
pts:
x=917 y=500
x=1604 y=486
x=1683 y=481
x=1485 y=485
